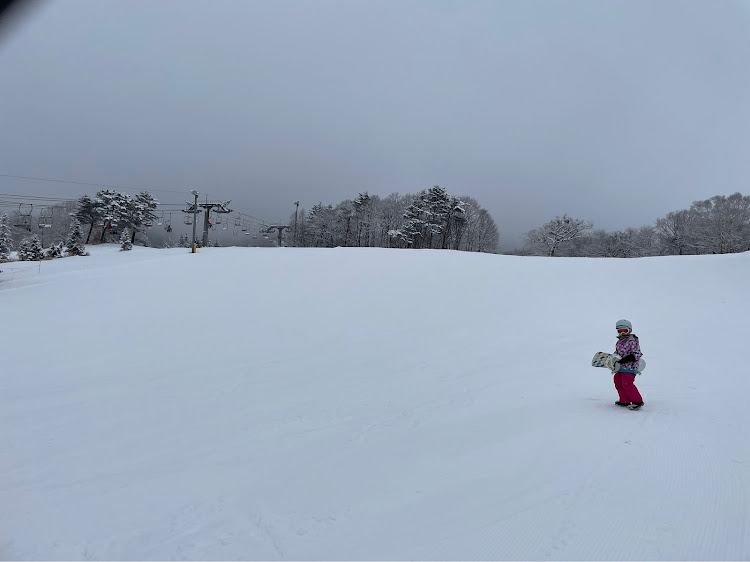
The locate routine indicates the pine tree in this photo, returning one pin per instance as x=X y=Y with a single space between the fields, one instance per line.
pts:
x=6 y=238
x=89 y=212
x=414 y=231
x=55 y=251
x=74 y=241
x=113 y=207
x=125 y=241
x=31 y=249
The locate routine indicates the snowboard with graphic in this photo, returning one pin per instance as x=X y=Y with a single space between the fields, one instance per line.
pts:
x=607 y=360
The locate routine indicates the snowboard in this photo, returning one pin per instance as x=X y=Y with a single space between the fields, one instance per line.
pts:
x=604 y=359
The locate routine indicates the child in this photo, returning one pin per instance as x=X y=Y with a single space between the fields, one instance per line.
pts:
x=626 y=369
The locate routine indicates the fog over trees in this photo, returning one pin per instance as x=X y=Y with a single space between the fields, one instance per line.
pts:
x=431 y=219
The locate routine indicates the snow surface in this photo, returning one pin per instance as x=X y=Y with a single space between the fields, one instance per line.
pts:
x=370 y=404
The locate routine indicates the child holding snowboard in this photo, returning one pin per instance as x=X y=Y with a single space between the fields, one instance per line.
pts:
x=629 y=350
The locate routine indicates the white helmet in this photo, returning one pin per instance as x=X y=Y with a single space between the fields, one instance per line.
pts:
x=624 y=324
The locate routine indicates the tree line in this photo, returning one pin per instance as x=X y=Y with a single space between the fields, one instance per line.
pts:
x=58 y=232
x=31 y=248
x=719 y=225
x=432 y=218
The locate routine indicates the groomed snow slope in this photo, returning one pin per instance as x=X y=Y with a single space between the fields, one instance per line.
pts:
x=370 y=404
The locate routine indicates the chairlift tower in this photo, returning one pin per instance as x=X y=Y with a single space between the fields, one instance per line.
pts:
x=192 y=209
x=217 y=208
x=280 y=228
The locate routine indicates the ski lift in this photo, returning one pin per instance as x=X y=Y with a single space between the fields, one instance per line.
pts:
x=168 y=223
x=45 y=218
x=217 y=220
x=237 y=222
x=244 y=227
x=160 y=219
x=188 y=220
x=24 y=216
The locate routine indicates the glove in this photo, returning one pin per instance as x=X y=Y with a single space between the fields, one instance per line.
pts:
x=630 y=358
x=612 y=362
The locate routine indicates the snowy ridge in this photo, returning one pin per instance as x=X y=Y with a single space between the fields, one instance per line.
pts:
x=281 y=404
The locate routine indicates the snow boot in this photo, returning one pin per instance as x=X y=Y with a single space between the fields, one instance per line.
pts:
x=623 y=404
x=635 y=405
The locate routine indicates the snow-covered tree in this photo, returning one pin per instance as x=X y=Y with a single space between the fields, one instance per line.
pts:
x=112 y=206
x=721 y=225
x=438 y=215
x=431 y=219
x=388 y=215
x=6 y=238
x=56 y=250
x=343 y=229
x=299 y=237
x=550 y=236
x=141 y=211
x=673 y=232
x=414 y=231
x=320 y=226
x=363 y=206
x=30 y=249
x=74 y=241
x=88 y=212
x=118 y=211
x=126 y=243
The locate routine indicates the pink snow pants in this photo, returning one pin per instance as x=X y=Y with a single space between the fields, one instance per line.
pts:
x=626 y=389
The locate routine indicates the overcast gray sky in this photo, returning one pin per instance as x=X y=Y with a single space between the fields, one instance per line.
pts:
x=613 y=111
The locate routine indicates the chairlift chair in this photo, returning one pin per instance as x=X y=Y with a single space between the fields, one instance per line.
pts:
x=24 y=223
x=45 y=218
x=24 y=216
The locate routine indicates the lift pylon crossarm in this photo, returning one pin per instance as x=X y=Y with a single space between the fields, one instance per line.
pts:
x=216 y=207
x=192 y=209
x=280 y=228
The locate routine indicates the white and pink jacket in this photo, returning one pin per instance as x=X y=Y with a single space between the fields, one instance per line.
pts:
x=625 y=346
